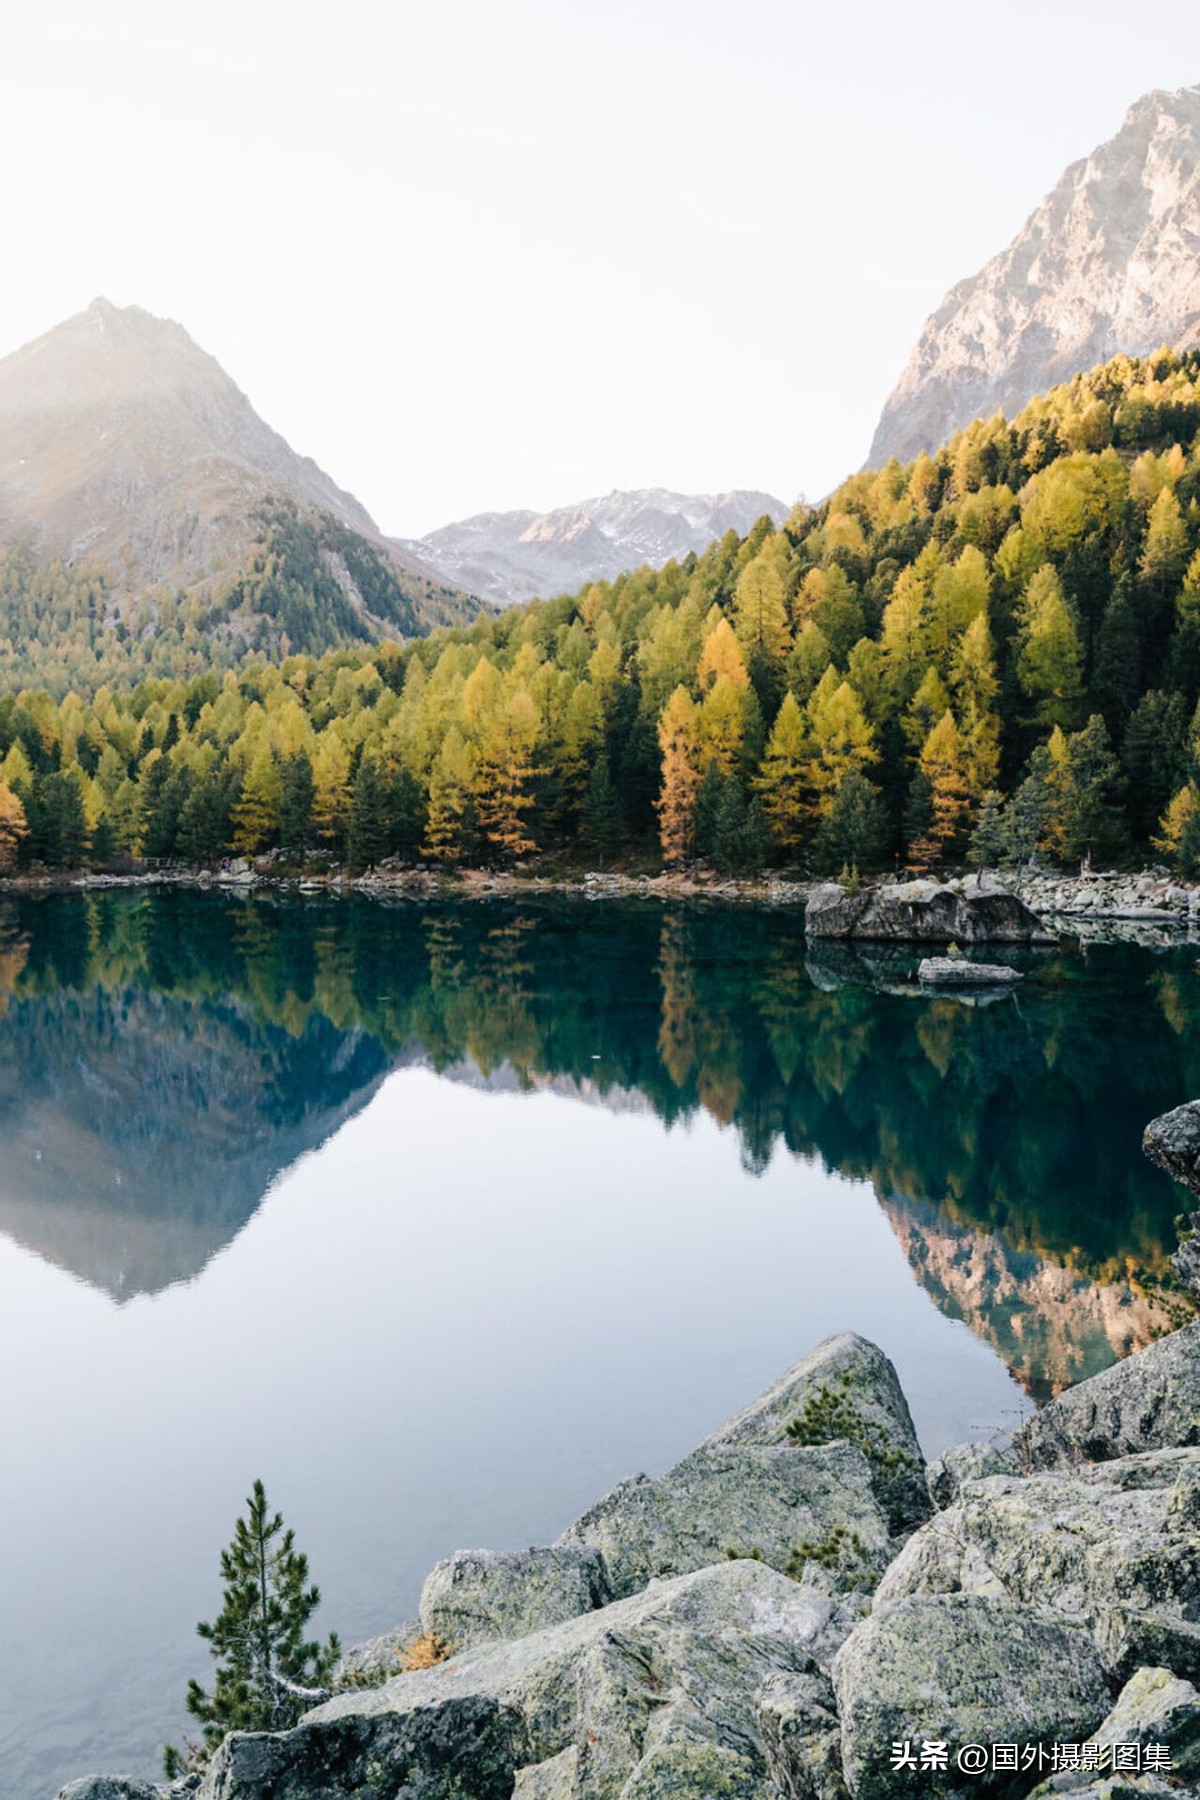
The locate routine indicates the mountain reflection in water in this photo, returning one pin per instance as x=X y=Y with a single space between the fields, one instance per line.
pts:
x=164 y=1057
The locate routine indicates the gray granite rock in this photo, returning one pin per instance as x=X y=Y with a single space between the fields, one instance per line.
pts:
x=924 y=912
x=110 y=1787
x=1115 y=1548
x=1149 y=1401
x=378 y=1655
x=959 y=971
x=774 y=1502
x=845 y=1388
x=555 y=1779
x=803 y=1740
x=458 y=1748
x=1173 y=1142
x=476 y=1595
x=960 y=1669
x=661 y=1688
x=968 y=1462
x=1156 y=1707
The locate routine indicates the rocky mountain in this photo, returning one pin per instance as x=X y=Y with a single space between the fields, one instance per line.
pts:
x=507 y=557
x=1109 y=263
x=127 y=449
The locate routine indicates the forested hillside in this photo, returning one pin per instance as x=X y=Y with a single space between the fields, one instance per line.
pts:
x=986 y=654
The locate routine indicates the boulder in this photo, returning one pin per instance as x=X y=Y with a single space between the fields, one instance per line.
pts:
x=846 y=1388
x=379 y=1655
x=453 y=1749
x=476 y=1595
x=787 y=1506
x=968 y=1462
x=959 y=1669
x=1156 y=1707
x=959 y=971
x=661 y=1688
x=110 y=1787
x=555 y=1779
x=924 y=912
x=802 y=1737
x=1115 y=1548
x=1173 y=1142
x=1149 y=1401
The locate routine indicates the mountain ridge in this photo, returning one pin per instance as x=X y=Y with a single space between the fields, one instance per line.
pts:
x=1108 y=264
x=127 y=448
x=507 y=557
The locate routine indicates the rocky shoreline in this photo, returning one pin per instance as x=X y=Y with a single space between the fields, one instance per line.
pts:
x=802 y=1610
x=1066 y=902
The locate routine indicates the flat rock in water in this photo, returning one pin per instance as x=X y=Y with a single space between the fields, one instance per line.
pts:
x=924 y=911
x=959 y=1669
x=957 y=971
x=1150 y=1401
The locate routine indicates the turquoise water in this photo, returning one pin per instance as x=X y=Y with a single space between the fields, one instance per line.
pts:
x=443 y=1219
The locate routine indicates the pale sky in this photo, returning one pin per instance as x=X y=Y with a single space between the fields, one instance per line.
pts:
x=475 y=256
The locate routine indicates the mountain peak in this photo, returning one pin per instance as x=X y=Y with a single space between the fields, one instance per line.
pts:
x=1109 y=263
x=510 y=557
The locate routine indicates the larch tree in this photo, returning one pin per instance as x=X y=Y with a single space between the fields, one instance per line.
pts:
x=1050 y=661
x=941 y=762
x=14 y=828
x=450 y=824
x=783 y=775
x=255 y=816
x=840 y=739
x=678 y=734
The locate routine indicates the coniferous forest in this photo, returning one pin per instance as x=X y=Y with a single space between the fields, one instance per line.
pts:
x=984 y=656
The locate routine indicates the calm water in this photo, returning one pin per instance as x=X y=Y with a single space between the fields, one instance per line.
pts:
x=443 y=1219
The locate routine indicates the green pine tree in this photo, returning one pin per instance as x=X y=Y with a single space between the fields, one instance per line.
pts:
x=268 y=1672
x=601 y=821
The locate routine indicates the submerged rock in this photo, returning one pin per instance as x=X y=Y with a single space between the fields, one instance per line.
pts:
x=1150 y=1401
x=959 y=1669
x=1115 y=1548
x=476 y=1595
x=924 y=911
x=959 y=971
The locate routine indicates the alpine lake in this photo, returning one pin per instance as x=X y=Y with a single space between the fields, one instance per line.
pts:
x=443 y=1217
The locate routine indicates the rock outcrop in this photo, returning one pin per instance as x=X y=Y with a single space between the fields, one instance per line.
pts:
x=1106 y=265
x=924 y=912
x=957 y=1669
x=844 y=1389
x=1012 y=1616
x=1115 y=1549
x=665 y=1682
x=476 y=1595
x=1151 y=1401
x=1173 y=1142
